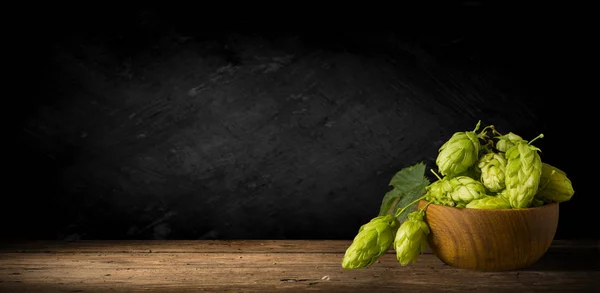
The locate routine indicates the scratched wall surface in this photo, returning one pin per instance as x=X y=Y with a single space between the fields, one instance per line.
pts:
x=152 y=129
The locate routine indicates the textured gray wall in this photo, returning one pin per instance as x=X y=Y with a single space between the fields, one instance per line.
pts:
x=149 y=129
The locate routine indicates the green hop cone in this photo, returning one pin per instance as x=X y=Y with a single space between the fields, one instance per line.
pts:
x=372 y=241
x=502 y=193
x=437 y=193
x=537 y=202
x=493 y=169
x=459 y=153
x=465 y=189
x=489 y=202
x=473 y=172
x=444 y=200
x=507 y=141
x=411 y=238
x=523 y=172
x=554 y=185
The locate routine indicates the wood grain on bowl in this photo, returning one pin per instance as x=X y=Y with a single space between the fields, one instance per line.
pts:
x=490 y=240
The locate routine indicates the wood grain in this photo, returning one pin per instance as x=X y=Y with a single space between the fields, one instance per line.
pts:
x=491 y=240
x=269 y=266
x=177 y=246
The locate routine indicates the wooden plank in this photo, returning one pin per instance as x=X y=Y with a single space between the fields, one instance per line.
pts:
x=214 y=246
x=179 y=246
x=185 y=272
x=306 y=266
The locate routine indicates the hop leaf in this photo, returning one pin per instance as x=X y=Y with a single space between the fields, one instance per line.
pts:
x=523 y=172
x=493 y=168
x=408 y=185
x=459 y=153
x=411 y=238
x=507 y=141
x=465 y=189
x=372 y=241
x=489 y=202
x=554 y=185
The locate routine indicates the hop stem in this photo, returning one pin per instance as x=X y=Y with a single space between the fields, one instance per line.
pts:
x=436 y=175
x=477 y=126
x=482 y=132
x=496 y=132
x=539 y=136
x=425 y=207
x=410 y=204
x=488 y=147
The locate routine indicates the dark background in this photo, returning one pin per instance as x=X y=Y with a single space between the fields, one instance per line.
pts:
x=183 y=123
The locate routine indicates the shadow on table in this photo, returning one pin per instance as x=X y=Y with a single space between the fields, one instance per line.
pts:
x=585 y=258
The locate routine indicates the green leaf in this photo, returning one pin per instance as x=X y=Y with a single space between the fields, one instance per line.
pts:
x=408 y=197
x=408 y=185
x=388 y=201
x=409 y=177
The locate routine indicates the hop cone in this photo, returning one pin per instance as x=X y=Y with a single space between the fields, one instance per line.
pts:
x=437 y=193
x=411 y=238
x=465 y=189
x=372 y=241
x=493 y=168
x=554 y=185
x=507 y=141
x=489 y=202
x=502 y=193
x=473 y=172
x=459 y=153
x=537 y=202
x=523 y=172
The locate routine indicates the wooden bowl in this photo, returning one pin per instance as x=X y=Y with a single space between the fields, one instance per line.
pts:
x=490 y=240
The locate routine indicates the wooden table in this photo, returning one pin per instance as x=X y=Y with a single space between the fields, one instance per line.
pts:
x=271 y=266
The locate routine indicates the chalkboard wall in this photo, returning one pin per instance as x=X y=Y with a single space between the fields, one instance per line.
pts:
x=153 y=123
